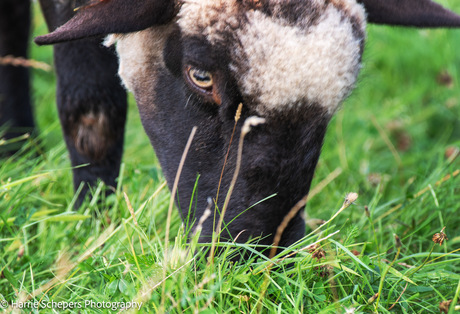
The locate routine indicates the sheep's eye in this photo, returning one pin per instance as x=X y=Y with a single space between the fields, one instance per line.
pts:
x=200 y=78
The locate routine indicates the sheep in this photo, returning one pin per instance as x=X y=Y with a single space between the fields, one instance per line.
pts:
x=91 y=102
x=193 y=62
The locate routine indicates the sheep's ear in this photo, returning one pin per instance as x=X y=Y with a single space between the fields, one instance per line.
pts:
x=104 y=17
x=419 y=13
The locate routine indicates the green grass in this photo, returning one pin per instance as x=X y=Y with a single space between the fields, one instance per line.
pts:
x=50 y=253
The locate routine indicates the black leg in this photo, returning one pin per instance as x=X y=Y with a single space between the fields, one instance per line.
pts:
x=16 y=116
x=91 y=102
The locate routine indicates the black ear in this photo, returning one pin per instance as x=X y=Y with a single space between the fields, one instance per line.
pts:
x=112 y=16
x=419 y=13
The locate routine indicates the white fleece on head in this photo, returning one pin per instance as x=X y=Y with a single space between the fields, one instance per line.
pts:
x=208 y=18
x=280 y=62
x=141 y=55
x=283 y=65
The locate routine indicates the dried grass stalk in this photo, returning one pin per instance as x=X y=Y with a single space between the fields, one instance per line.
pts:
x=23 y=62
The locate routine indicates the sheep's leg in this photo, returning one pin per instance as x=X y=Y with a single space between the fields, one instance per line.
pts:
x=91 y=103
x=15 y=109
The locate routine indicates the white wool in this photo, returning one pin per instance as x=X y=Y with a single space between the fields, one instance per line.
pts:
x=278 y=63
x=207 y=18
x=281 y=63
x=141 y=55
x=286 y=65
x=352 y=9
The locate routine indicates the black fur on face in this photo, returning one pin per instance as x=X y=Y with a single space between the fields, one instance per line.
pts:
x=279 y=157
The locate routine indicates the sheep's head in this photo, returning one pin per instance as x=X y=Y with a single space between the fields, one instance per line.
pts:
x=291 y=62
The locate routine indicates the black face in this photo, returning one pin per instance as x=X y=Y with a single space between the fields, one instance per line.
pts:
x=279 y=157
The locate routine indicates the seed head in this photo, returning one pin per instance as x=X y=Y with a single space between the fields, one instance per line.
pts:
x=398 y=243
x=316 y=252
x=238 y=112
x=373 y=298
x=349 y=199
x=440 y=237
x=366 y=210
x=444 y=306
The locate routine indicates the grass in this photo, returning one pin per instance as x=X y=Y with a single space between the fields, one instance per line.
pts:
x=389 y=141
